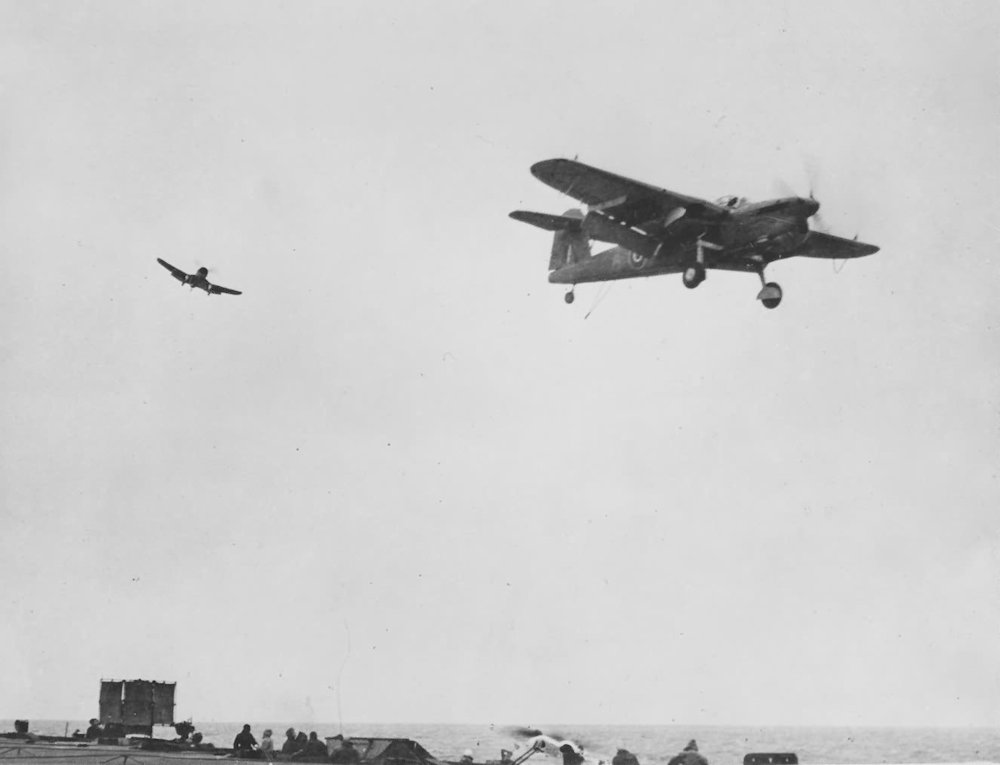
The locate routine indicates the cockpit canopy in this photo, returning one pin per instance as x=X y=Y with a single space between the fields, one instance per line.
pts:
x=731 y=202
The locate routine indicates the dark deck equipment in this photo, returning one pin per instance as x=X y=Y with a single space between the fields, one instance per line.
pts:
x=137 y=705
x=391 y=751
x=771 y=758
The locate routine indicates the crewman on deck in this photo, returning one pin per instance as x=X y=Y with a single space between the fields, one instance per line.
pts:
x=95 y=730
x=291 y=745
x=267 y=745
x=624 y=757
x=245 y=745
x=689 y=756
x=335 y=745
x=346 y=754
x=313 y=751
x=570 y=755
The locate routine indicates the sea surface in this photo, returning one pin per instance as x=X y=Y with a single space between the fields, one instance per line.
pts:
x=652 y=744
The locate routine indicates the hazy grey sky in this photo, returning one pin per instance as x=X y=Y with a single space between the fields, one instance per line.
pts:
x=399 y=465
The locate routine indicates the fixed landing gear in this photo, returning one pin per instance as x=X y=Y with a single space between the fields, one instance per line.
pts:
x=770 y=293
x=693 y=276
x=569 y=297
x=695 y=273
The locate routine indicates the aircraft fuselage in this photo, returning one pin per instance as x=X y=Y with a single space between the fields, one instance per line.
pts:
x=744 y=241
x=198 y=279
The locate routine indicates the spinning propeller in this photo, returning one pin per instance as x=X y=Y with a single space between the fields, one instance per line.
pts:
x=816 y=219
x=812 y=176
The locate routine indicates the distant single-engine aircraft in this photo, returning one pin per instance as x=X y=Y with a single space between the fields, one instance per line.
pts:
x=656 y=231
x=197 y=279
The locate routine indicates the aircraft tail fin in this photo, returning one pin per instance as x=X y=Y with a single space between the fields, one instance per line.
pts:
x=568 y=247
x=569 y=243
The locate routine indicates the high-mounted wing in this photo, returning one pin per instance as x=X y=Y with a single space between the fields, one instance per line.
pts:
x=175 y=272
x=215 y=289
x=631 y=202
x=819 y=245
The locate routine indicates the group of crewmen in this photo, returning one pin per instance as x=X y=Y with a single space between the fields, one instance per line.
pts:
x=310 y=748
x=688 y=756
x=297 y=746
x=573 y=756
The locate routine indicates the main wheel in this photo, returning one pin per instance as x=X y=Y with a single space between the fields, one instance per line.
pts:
x=694 y=275
x=772 y=298
x=569 y=297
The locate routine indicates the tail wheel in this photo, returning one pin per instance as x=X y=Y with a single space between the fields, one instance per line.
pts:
x=770 y=296
x=694 y=275
x=569 y=297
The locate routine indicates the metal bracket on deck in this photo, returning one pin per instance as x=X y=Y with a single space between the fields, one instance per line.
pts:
x=123 y=758
x=18 y=751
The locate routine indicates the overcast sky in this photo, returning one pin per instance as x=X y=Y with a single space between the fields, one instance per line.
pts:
x=398 y=479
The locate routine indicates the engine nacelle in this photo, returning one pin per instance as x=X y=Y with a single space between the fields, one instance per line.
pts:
x=789 y=239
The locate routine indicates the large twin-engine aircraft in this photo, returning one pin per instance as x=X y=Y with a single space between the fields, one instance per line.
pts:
x=197 y=279
x=656 y=231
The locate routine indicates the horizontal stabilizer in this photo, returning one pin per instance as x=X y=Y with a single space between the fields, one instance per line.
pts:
x=548 y=222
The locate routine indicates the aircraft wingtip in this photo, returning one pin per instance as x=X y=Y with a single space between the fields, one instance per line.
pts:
x=540 y=168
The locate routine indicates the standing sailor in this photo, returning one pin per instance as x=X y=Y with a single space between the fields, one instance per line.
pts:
x=267 y=745
x=245 y=745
